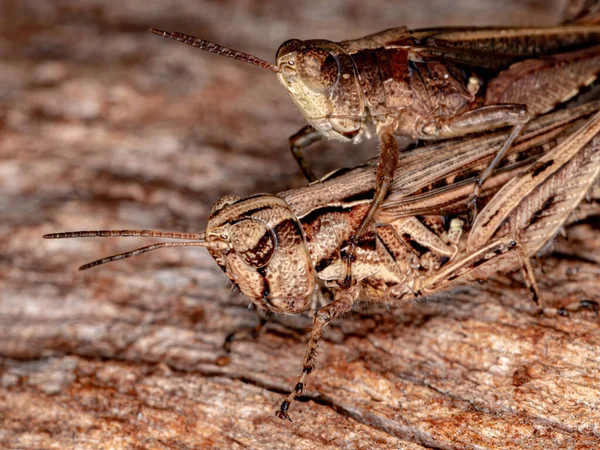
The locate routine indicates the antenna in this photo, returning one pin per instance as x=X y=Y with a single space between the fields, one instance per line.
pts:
x=197 y=238
x=215 y=48
x=139 y=251
x=126 y=233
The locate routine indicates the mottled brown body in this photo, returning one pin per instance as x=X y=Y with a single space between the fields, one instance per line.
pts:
x=426 y=85
x=410 y=241
x=392 y=87
x=419 y=81
x=265 y=235
x=276 y=247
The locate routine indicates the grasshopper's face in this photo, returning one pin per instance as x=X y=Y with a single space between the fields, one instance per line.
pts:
x=320 y=77
x=260 y=246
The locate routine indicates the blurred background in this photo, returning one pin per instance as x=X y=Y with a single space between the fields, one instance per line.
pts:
x=103 y=125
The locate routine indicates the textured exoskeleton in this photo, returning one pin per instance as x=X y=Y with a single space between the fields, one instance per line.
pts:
x=276 y=247
x=425 y=84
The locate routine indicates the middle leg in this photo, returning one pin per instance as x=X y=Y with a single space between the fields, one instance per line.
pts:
x=388 y=161
x=484 y=118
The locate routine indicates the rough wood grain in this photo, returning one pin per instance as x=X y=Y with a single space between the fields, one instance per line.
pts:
x=103 y=125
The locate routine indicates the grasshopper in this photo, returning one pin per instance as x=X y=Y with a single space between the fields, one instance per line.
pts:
x=276 y=248
x=427 y=84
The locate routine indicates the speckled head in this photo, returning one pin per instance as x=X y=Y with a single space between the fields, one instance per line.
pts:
x=263 y=251
x=257 y=241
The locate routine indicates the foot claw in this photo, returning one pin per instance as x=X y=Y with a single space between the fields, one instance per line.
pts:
x=591 y=305
x=282 y=415
x=565 y=311
x=282 y=411
x=228 y=341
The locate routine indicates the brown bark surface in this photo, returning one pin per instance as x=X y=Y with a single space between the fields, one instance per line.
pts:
x=103 y=125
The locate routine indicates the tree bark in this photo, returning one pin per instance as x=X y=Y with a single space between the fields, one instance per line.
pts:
x=103 y=125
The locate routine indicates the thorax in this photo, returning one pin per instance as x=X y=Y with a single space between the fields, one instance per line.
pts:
x=394 y=86
x=390 y=259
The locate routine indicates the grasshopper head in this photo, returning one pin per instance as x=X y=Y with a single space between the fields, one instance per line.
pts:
x=319 y=75
x=263 y=251
x=321 y=79
x=258 y=242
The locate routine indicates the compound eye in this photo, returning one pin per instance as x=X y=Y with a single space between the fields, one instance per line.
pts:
x=318 y=69
x=253 y=241
x=289 y=46
x=224 y=201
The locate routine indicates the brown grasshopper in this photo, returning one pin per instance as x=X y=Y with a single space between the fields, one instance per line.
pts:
x=425 y=84
x=275 y=248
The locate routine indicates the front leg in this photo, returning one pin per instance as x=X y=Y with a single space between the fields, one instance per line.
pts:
x=298 y=142
x=388 y=161
x=341 y=304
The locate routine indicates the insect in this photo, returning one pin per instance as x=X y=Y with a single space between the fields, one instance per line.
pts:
x=276 y=247
x=425 y=84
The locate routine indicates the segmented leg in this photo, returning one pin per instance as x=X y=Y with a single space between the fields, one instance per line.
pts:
x=528 y=275
x=246 y=333
x=590 y=305
x=463 y=267
x=479 y=119
x=482 y=119
x=298 y=142
x=388 y=161
x=516 y=131
x=318 y=300
x=342 y=303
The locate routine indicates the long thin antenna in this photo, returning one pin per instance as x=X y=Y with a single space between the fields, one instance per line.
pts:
x=215 y=48
x=139 y=251
x=126 y=233
x=198 y=239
